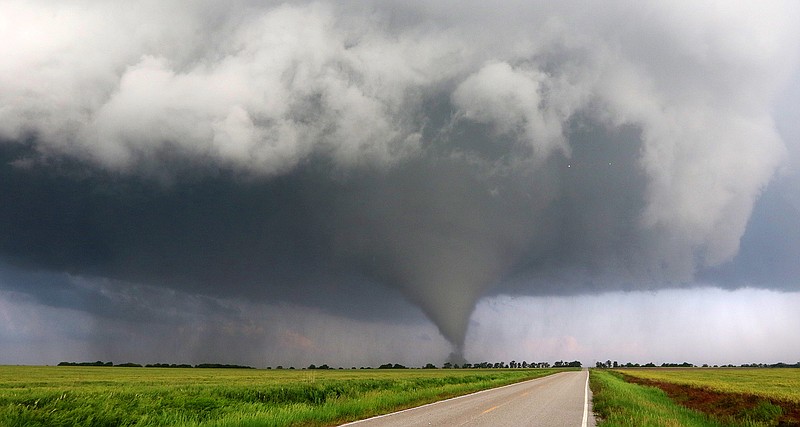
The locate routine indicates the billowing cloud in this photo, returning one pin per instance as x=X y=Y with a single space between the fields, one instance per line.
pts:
x=332 y=153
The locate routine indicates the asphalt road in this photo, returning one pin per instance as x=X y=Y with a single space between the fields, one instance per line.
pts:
x=561 y=399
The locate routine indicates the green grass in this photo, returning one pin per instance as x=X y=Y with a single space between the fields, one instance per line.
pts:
x=780 y=384
x=619 y=403
x=106 y=396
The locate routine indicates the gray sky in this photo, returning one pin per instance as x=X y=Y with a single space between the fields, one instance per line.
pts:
x=354 y=183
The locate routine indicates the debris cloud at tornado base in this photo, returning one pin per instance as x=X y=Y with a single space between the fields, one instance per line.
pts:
x=310 y=152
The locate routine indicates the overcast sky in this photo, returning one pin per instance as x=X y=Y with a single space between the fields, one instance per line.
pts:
x=356 y=183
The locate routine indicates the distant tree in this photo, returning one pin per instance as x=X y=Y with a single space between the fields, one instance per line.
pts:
x=214 y=365
x=447 y=365
x=98 y=363
x=677 y=365
x=312 y=366
x=616 y=365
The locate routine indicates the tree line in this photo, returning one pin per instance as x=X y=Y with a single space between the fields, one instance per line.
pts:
x=482 y=365
x=608 y=364
x=156 y=365
x=447 y=365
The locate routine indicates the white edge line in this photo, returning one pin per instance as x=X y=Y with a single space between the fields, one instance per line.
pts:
x=446 y=400
x=586 y=401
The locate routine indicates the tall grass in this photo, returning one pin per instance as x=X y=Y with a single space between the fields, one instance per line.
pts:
x=98 y=396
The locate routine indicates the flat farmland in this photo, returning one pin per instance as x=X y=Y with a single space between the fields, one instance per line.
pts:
x=698 y=396
x=106 y=396
x=779 y=384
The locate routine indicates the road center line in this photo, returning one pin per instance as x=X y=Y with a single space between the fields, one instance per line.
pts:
x=490 y=409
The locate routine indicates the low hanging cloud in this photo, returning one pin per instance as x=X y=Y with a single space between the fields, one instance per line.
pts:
x=316 y=152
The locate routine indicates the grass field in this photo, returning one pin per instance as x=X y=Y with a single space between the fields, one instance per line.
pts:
x=116 y=396
x=707 y=396
x=780 y=384
x=619 y=403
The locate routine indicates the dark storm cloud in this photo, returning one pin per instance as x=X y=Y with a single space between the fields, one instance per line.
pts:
x=336 y=154
x=212 y=234
x=442 y=229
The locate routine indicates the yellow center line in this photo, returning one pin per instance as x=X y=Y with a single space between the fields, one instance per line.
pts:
x=490 y=409
x=502 y=404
